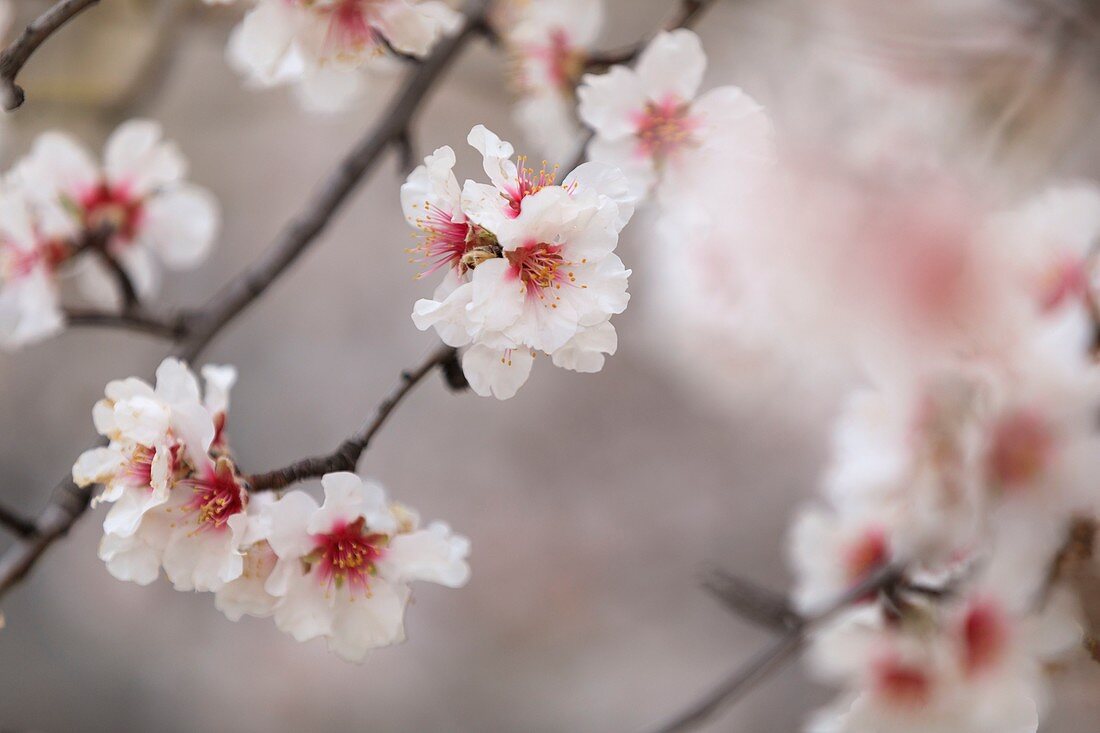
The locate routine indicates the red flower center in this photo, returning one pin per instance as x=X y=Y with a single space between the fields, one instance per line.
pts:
x=1021 y=449
x=540 y=266
x=217 y=496
x=665 y=128
x=114 y=207
x=985 y=637
x=347 y=555
x=900 y=684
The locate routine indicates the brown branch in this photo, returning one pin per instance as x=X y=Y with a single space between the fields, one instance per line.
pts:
x=761 y=606
x=199 y=329
x=15 y=523
x=346 y=456
x=134 y=320
x=776 y=656
x=16 y=55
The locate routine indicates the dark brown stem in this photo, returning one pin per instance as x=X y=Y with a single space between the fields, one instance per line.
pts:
x=774 y=657
x=346 y=456
x=15 y=523
x=133 y=320
x=761 y=606
x=16 y=55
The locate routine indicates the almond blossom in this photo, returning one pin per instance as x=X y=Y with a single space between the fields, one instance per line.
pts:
x=530 y=263
x=550 y=41
x=323 y=47
x=32 y=250
x=172 y=503
x=344 y=568
x=139 y=195
x=649 y=123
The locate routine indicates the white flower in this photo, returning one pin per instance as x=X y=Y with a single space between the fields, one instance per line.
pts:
x=324 y=46
x=32 y=248
x=531 y=263
x=171 y=503
x=247 y=595
x=649 y=124
x=343 y=568
x=140 y=193
x=550 y=41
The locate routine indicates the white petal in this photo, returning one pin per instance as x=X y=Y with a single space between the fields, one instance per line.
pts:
x=139 y=160
x=496 y=156
x=97 y=465
x=264 y=37
x=496 y=373
x=368 y=623
x=289 y=518
x=585 y=351
x=180 y=225
x=432 y=554
x=414 y=28
x=56 y=164
x=611 y=103
x=672 y=66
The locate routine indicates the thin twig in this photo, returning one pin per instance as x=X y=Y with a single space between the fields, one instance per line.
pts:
x=16 y=523
x=16 y=55
x=134 y=320
x=69 y=502
x=761 y=606
x=346 y=456
x=774 y=657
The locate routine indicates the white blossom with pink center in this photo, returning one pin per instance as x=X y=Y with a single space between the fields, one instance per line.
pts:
x=550 y=41
x=968 y=665
x=247 y=595
x=649 y=123
x=344 y=568
x=160 y=440
x=32 y=249
x=140 y=194
x=531 y=263
x=323 y=46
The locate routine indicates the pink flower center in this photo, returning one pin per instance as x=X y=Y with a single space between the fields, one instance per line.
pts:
x=664 y=128
x=17 y=263
x=900 y=684
x=444 y=241
x=217 y=496
x=350 y=26
x=1021 y=449
x=1065 y=281
x=564 y=62
x=984 y=636
x=347 y=555
x=114 y=207
x=540 y=267
x=528 y=182
x=870 y=552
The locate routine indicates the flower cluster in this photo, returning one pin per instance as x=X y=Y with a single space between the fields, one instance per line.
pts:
x=57 y=205
x=529 y=263
x=323 y=47
x=550 y=42
x=966 y=456
x=339 y=571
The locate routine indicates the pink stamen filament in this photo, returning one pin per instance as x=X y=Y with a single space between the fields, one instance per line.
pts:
x=347 y=555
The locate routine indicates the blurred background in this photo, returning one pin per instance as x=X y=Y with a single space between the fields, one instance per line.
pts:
x=592 y=500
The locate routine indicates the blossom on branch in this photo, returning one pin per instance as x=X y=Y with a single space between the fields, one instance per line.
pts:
x=324 y=47
x=343 y=568
x=530 y=263
x=649 y=123
x=138 y=200
x=550 y=42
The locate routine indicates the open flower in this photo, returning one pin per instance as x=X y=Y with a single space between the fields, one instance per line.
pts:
x=139 y=196
x=550 y=41
x=32 y=249
x=168 y=496
x=343 y=568
x=531 y=263
x=324 y=46
x=649 y=123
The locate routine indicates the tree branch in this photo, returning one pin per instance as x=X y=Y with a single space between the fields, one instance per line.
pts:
x=759 y=605
x=774 y=657
x=69 y=502
x=16 y=55
x=346 y=456
x=15 y=523
x=133 y=320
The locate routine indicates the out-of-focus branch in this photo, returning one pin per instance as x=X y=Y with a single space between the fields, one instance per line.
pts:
x=15 y=523
x=774 y=657
x=16 y=55
x=346 y=456
x=758 y=605
x=132 y=320
x=198 y=329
